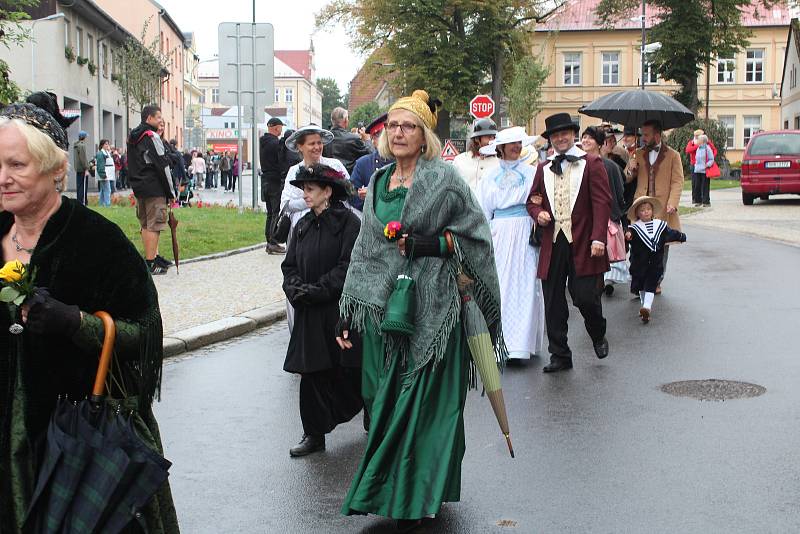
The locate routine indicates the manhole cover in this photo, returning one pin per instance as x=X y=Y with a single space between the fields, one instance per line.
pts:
x=713 y=389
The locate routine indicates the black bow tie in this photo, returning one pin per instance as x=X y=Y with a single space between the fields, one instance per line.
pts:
x=656 y=148
x=556 y=166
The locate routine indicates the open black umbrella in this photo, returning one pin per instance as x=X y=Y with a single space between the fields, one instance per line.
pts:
x=634 y=108
x=98 y=473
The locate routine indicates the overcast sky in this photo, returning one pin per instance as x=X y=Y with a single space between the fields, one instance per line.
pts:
x=293 y=21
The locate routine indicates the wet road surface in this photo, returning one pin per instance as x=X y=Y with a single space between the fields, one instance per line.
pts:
x=599 y=448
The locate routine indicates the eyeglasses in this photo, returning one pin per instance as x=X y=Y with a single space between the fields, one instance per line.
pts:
x=407 y=127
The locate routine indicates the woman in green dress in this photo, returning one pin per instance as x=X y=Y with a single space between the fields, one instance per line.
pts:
x=414 y=384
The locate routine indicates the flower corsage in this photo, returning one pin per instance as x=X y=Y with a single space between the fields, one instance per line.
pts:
x=393 y=230
x=17 y=282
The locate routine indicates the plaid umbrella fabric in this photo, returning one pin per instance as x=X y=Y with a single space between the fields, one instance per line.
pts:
x=97 y=473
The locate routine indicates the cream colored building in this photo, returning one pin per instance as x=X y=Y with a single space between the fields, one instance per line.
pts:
x=588 y=62
x=192 y=94
x=71 y=55
x=132 y=15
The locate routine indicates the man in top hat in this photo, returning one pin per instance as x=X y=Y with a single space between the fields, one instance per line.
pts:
x=573 y=213
x=272 y=176
x=367 y=164
x=471 y=164
x=657 y=170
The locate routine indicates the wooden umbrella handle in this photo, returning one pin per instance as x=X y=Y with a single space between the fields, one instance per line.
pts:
x=105 y=355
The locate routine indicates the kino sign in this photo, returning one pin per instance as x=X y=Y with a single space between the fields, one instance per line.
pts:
x=481 y=107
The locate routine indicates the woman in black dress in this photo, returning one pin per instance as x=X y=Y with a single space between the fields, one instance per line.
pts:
x=313 y=277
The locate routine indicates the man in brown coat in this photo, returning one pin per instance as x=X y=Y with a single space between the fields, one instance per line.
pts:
x=658 y=172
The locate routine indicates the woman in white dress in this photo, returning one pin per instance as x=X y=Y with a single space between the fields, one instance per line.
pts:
x=502 y=194
x=308 y=141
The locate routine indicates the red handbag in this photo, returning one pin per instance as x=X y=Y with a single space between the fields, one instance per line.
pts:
x=615 y=242
x=713 y=171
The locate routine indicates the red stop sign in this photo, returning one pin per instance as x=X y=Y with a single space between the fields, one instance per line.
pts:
x=481 y=106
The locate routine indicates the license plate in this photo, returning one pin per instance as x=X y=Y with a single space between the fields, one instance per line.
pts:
x=778 y=164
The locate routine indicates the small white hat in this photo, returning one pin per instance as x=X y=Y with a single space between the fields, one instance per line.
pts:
x=326 y=136
x=515 y=134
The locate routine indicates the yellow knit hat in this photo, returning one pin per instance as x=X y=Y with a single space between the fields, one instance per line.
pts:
x=418 y=104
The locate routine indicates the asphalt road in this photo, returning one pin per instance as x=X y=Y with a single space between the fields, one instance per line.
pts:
x=599 y=448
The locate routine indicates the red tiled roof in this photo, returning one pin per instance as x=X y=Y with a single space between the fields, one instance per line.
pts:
x=218 y=112
x=299 y=60
x=369 y=80
x=579 y=15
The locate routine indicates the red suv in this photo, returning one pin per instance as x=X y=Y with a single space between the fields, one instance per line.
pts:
x=771 y=165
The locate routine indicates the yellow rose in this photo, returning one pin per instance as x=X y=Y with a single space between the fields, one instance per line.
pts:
x=12 y=271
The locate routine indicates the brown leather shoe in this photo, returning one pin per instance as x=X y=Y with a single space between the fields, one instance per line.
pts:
x=658 y=289
x=644 y=314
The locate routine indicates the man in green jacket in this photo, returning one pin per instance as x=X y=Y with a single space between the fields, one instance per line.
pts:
x=81 y=167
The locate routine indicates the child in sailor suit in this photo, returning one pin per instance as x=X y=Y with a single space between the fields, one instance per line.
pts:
x=648 y=238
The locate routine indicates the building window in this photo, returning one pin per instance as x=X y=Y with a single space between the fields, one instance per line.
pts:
x=104 y=59
x=754 y=72
x=233 y=125
x=752 y=125
x=225 y=124
x=650 y=73
x=505 y=122
x=797 y=122
x=572 y=68
x=610 y=68
x=726 y=70
x=577 y=120
x=90 y=47
x=79 y=41
x=277 y=94
x=793 y=77
x=203 y=96
x=786 y=125
x=289 y=95
x=729 y=121
x=215 y=95
x=67 y=32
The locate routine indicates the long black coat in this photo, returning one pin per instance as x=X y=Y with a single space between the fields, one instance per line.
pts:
x=313 y=277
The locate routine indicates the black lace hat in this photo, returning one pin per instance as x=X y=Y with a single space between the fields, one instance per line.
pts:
x=41 y=111
x=325 y=175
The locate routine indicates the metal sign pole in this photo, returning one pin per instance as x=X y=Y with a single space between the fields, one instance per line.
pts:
x=239 y=116
x=255 y=143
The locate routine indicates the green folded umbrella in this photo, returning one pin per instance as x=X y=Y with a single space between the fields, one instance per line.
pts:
x=482 y=350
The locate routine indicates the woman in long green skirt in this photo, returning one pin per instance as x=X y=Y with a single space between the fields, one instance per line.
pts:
x=421 y=226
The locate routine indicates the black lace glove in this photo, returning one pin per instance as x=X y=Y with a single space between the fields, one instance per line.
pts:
x=420 y=246
x=47 y=315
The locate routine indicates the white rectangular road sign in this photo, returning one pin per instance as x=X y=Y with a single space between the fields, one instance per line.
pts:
x=239 y=43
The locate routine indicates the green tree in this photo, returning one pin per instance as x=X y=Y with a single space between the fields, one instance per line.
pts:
x=692 y=34
x=331 y=98
x=12 y=32
x=524 y=90
x=365 y=113
x=448 y=47
x=142 y=70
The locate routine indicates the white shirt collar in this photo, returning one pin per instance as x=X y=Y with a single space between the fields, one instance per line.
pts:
x=574 y=151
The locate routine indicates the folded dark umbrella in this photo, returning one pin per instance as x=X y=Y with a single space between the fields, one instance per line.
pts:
x=634 y=108
x=98 y=472
x=173 y=228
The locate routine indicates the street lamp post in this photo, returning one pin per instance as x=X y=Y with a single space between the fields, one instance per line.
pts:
x=33 y=45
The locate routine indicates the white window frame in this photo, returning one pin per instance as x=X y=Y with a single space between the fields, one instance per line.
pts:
x=277 y=94
x=730 y=129
x=726 y=70
x=215 y=95
x=78 y=41
x=288 y=95
x=67 y=32
x=104 y=59
x=754 y=70
x=752 y=128
x=650 y=74
x=572 y=68
x=608 y=76
x=90 y=46
x=797 y=122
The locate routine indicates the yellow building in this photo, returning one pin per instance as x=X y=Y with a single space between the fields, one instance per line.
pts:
x=588 y=62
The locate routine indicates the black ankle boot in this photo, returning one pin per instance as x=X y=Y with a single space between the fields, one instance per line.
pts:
x=308 y=445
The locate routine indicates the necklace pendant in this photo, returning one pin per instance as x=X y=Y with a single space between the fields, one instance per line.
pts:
x=16 y=329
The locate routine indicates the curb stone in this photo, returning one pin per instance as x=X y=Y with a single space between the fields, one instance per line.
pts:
x=202 y=335
x=224 y=254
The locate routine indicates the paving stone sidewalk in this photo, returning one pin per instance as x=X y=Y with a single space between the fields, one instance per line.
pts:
x=777 y=218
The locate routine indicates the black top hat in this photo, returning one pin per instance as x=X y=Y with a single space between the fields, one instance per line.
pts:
x=631 y=130
x=324 y=175
x=558 y=122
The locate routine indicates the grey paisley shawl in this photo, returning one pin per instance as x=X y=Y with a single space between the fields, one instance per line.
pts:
x=438 y=200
